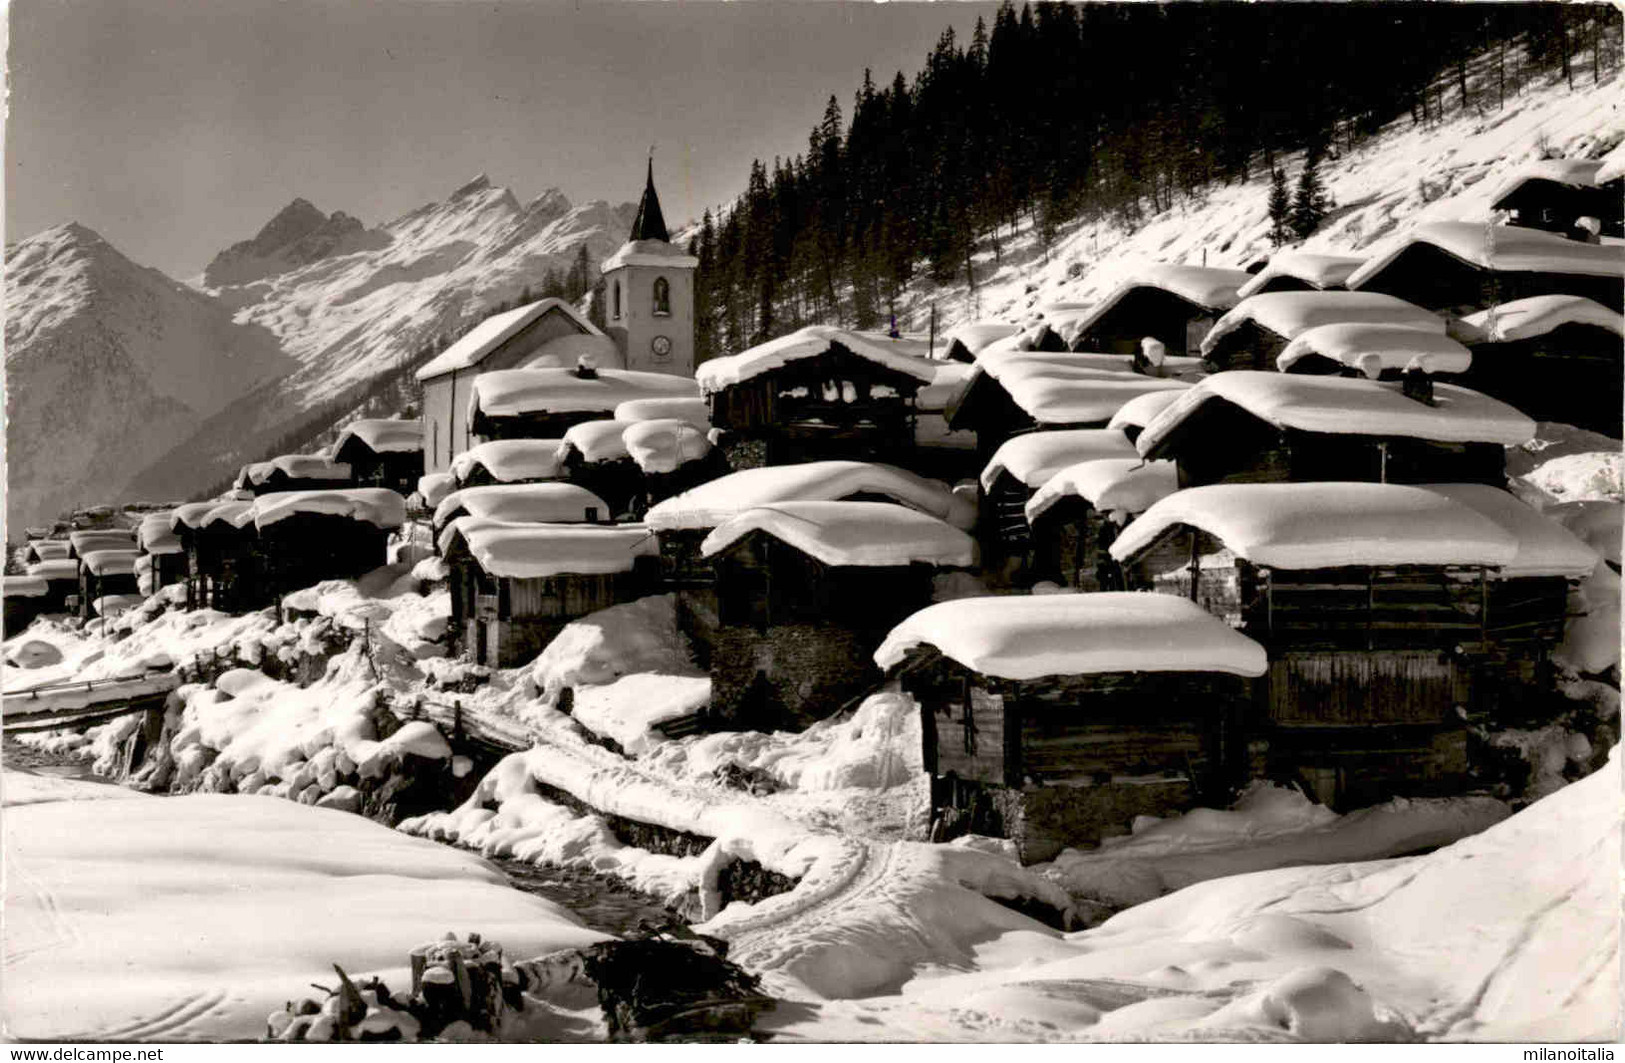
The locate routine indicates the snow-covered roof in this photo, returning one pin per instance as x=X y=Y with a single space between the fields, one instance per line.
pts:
x=549 y=503
x=657 y=253
x=435 y=486
x=1318 y=271
x=298 y=467
x=190 y=515
x=1209 y=288
x=513 y=392
x=567 y=352
x=1501 y=249
x=851 y=533
x=235 y=514
x=1032 y=636
x=26 y=586
x=1034 y=457
x=1545 y=547
x=533 y=551
x=719 y=500
x=597 y=441
x=975 y=335
x=57 y=568
x=508 y=460
x=495 y=330
x=1110 y=485
x=810 y=342
x=1055 y=393
x=110 y=605
x=1522 y=319
x=692 y=410
x=1374 y=348
x=1347 y=406
x=1143 y=409
x=383 y=436
x=663 y=444
x=111 y=562
x=377 y=506
x=48 y=549
x=1287 y=314
x=1613 y=165
x=1575 y=173
x=157 y=537
x=1327 y=525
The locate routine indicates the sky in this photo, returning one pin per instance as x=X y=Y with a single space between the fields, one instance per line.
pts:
x=177 y=127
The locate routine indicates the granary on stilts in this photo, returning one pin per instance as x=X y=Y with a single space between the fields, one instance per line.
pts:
x=1555 y=357
x=382 y=453
x=1172 y=304
x=803 y=593
x=1056 y=720
x=223 y=556
x=1253 y=335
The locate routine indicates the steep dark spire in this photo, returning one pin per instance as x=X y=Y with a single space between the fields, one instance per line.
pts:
x=650 y=224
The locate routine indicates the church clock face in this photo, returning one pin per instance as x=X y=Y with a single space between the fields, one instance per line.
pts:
x=661 y=345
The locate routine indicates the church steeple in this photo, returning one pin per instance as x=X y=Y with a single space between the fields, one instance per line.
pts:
x=650 y=224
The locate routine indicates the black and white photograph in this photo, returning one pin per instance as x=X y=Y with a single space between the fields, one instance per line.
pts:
x=812 y=521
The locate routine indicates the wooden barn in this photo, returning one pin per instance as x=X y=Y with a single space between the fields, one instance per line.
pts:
x=1175 y=305
x=672 y=456
x=382 y=453
x=515 y=586
x=1257 y=331
x=223 y=557
x=61 y=576
x=25 y=598
x=818 y=394
x=1253 y=427
x=107 y=583
x=1301 y=271
x=292 y=472
x=305 y=537
x=1392 y=615
x=1462 y=267
x=596 y=457
x=163 y=554
x=508 y=461
x=683 y=521
x=1021 y=466
x=184 y=521
x=1056 y=720
x=545 y=403
x=1375 y=351
x=803 y=593
x=1555 y=357
x=1074 y=517
x=1553 y=194
x=543 y=503
x=546 y=333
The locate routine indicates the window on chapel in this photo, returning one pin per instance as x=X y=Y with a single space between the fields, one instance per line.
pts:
x=662 y=296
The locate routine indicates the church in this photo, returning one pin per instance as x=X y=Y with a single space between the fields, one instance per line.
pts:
x=649 y=316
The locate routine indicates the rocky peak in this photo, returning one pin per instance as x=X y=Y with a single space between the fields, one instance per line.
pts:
x=478 y=184
x=290 y=223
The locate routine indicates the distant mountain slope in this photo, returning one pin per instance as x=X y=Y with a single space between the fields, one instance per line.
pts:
x=298 y=235
x=349 y=315
x=108 y=365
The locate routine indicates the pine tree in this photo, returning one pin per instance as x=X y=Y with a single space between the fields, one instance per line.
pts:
x=1280 y=208
x=1309 y=203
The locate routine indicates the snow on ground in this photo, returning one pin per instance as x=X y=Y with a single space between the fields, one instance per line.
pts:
x=225 y=907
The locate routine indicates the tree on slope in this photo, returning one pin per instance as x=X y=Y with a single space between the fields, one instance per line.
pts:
x=1309 y=202
x=1280 y=208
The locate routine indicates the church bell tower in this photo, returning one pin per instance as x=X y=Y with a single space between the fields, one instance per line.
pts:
x=649 y=294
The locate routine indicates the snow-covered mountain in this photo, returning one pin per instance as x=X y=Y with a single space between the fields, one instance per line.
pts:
x=348 y=303
x=108 y=365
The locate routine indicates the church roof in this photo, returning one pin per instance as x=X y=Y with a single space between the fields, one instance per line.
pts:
x=650 y=224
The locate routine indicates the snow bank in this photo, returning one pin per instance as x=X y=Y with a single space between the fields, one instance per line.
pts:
x=1500 y=249
x=600 y=647
x=628 y=709
x=544 y=503
x=1034 y=457
x=1142 y=410
x=1318 y=271
x=508 y=460
x=1346 y=406
x=514 y=392
x=377 y=506
x=1545 y=547
x=694 y=411
x=661 y=445
x=1523 y=319
x=435 y=486
x=597 y=441
x=851 y=533
x=382 y=435
x=488 y=335
x=1327 y=525
x=1025 y=637
x=1115 y=486
x=532 y=551
x=717 y=501
x=111 y=605
x=900 y=356
x=1287 y=314
x=1597 y=524
x=1373 y=348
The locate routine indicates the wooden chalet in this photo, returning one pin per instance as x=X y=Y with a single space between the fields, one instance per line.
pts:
x=292 y=472
x=683 y=521
x=1393 y=616
x=1555 y=357
x=1552 y=194
x=1253 y=427
x=304 y=537
x=545 y=403
x=1055 y=720
x=107 y=583
x=1375 y=351
x=818 y=394
x=1258 y=330
x=1021 y=466
x=508 y=461
x=515 y=586
x=546 y=333
x=1301 y=271
x=1463 y=266
x=1175 y=305
x=163 y=554
x=803 y=593
x=382 y=453
x=1077 y=513
x=61 y=576
x=25 y=598
x=596 y=457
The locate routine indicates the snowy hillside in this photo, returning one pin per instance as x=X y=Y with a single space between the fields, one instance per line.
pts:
x=1409 y=174
x=108 y=365
x=378 y=296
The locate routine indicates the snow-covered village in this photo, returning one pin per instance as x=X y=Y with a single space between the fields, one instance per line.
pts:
x=1113 y=537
